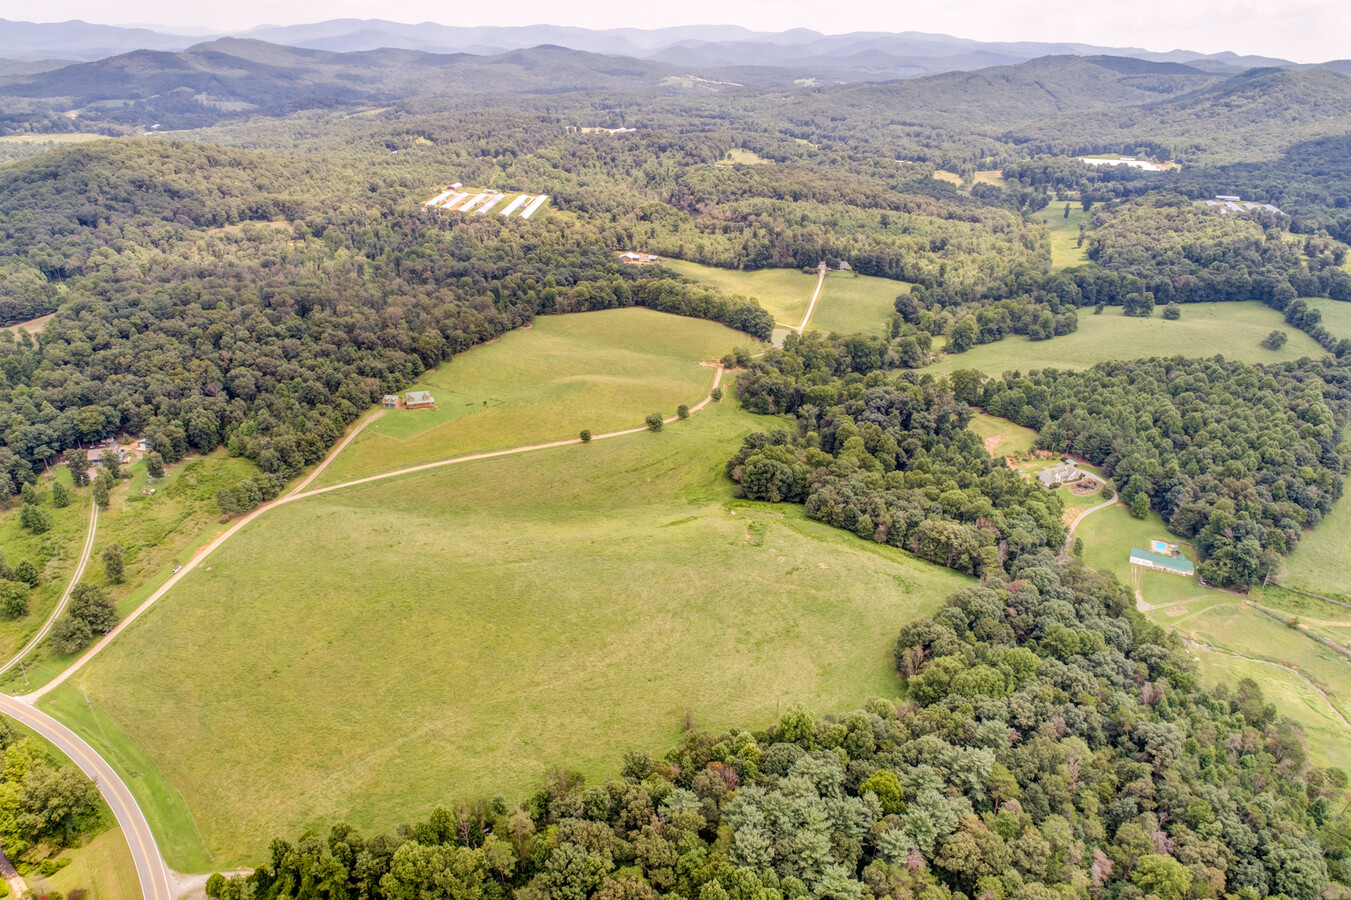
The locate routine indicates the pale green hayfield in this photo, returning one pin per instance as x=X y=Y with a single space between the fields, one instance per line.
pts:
x=1064 y=233
x=604 y=371
x=368 y=653
x=849 y=303
x=1235 y=330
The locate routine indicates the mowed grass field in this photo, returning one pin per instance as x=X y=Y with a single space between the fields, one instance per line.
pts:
x=1064 y=233
x=369 y=653
x=1336 y=316
x=604 y=371
x=1322 y=561
x=1234 y=329
x=849 y=303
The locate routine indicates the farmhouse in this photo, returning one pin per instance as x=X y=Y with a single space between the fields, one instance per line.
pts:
x=418 y=400
x=1174 y=565
x=94 y=455
x=638 y=258
x=391 y=401
x=1053 y=476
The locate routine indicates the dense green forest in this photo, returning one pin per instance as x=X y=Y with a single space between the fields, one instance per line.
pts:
x=1051 y=744
x=888 y=459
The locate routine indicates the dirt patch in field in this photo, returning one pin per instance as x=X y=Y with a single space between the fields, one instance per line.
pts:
x=992 y=442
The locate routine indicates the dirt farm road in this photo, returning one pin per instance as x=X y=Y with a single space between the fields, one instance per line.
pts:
x=65 y=597
x=294 y=495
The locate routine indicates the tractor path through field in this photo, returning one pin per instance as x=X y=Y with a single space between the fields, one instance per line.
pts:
x=333 y=454
x=811 y=307
x=1069 y=537
x=228 y=533
x=65 y=597
x=1192 y=642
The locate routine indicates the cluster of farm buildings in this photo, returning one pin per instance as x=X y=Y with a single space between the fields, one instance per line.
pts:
x=458 y=198
x=410 y=400
x=1226 y=203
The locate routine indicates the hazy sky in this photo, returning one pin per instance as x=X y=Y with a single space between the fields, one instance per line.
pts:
x=1302 y=30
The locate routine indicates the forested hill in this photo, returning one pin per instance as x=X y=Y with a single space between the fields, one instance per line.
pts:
x=175 y=325
x=227 y=77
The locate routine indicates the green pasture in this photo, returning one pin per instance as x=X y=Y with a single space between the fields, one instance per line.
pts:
x=368 y=653
x=1063 y=233
x=54 y=552
x=1002 y=437
x=1321 y=562
x=1327 y=739
x=784 y=293
x=103 y=867
x=1336 y=316
x=1235 y=330
x=856 y=304
x=1313 y=615
x=155 y=530
x=849 y=303
x=604 y=371
x=1239 y=628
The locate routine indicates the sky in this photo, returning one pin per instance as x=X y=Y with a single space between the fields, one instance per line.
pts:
x=1300 y=30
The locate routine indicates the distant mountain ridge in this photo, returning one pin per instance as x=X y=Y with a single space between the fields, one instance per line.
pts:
x=858 y=56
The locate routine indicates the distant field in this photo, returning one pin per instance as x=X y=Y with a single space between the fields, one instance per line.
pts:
x=1322 y=561
x=746 y=157
x=1064 y=233
x=603 y=371
x=784 y=293
x=849 y=304
x=1336 y=316
x=73 y=137
x=34 y=327
x=368 y=653
x=856 y=304
x=1235 y=330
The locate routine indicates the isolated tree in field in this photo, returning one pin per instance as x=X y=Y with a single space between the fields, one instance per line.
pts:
x=78 y=466
x=111 y=462
x=154 y=465
x=1276 y=340
x=28 y=573
x=683 y=411
x=69 y=634
x=1067 y=209
x=1140 y=505
x=38 y=521
x=585 y=435
x=1172 y=312
x=28 y=495
x=90 y=605
x=60 y=496
x=654 y=421
x=1106 y=492
x=113 y=562
x=1078 y=549
x=716 y=395
x=102 y=493
x=14 y=599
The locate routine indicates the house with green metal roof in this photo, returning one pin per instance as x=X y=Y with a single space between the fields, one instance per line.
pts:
x=1175 y=565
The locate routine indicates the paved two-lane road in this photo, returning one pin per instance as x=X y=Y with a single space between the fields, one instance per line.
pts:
x=150 y=867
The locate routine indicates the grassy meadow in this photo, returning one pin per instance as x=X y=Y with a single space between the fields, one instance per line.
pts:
x=155 y=530
x=457 y=633
x=603 y=371
x=1234 y=329
x=1064 y=233
x=103 y=867
x=55 y=553
x=848 y=304
x=1322 y=561
x=1336 y=316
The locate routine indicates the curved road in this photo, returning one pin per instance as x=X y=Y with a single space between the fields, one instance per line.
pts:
x=150 y=867
x=1069 y=537
x=65 y=598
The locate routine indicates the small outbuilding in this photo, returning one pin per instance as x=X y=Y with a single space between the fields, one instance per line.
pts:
x=638 y=258
x=391 y=401
x=1173 y=565
x=418 y=400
